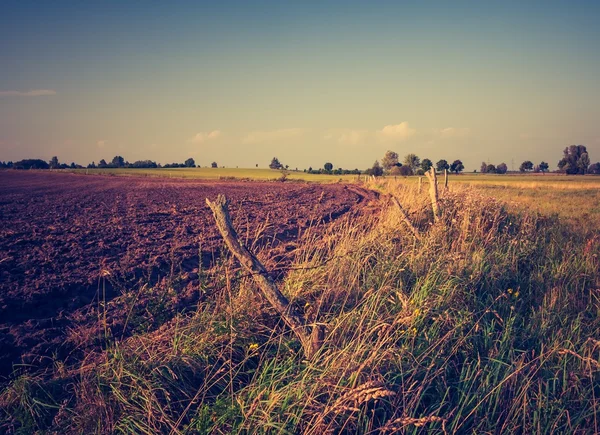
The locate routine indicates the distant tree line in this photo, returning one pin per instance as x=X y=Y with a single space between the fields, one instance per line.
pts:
x=411 y=165
x=575 y=161
x=120 y=162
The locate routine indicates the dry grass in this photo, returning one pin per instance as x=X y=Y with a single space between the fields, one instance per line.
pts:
x=488 y=323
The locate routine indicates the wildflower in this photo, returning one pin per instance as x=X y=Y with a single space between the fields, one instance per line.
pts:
x=509 y=291
x=516 y=295
x=417 y=312
x=253 y=346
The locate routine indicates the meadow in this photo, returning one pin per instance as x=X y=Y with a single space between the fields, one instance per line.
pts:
x=484 y=320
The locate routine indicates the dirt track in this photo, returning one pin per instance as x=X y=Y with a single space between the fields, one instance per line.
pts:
x=60 y=232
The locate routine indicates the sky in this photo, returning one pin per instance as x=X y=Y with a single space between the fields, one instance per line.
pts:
x=309 y=82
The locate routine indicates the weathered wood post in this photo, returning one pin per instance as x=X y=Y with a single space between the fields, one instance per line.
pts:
x=445 y=179
x=433 y=193
x=420 y=182
x=405 y=219
x=311 y=340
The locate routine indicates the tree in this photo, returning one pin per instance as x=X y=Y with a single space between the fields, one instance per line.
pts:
x=412 y=161
x=426 y=165
x=594 y=169
x=54 y=164
x=118 y=162
x=583 y=163
x=574 y=160
x=406 y=171
x=390 y=159
x=483 y=168
x=501 y=168
x=375 y=170
x=543 y=166
x=190 y=163
x=526 y=166
x=396 y=170
x=490 y=169
x=102 y=163
x=457 y=166
x=328 y=167
x=441 y=165
x=31 y=164
x=275 y=164
x=214 y=165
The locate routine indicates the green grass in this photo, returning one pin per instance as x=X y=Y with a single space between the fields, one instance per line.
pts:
x=489 y=323
x=217 y=174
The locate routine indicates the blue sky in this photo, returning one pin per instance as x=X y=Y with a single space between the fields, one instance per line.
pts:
x=309 y=82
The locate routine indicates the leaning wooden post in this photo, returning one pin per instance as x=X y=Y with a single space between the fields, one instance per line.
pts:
x=445 y=179
x=405 y=219
x=311 y=341
x=420 y=182
x=433 y=193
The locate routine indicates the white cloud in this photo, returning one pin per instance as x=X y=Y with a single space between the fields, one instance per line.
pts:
x=346 y=136
x=255 y=137
x=450 y=132
x=396 y=133
x=203 y=137
x=30 y=93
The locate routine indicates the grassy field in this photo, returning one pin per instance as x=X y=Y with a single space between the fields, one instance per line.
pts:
x=486 y=321
x=218 y=174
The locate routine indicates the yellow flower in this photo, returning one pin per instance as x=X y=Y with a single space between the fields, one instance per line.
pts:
x=253 y=346
x=417 y=312
x=516 y=295
x=509 y=291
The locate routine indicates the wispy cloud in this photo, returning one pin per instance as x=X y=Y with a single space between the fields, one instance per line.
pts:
x=203 y=137
x=30 y=93
x=396 y=133
x=346 y=136
x=255 y=137
x=451 y=132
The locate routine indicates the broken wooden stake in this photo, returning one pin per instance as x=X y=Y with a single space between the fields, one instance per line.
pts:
x=311 y=340
x=433 y=193
x=405 y=219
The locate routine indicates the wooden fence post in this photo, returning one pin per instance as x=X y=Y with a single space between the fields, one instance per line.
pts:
x=311 y=340
x=433 y=193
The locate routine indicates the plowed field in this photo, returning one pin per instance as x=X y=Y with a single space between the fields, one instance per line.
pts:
x=67 y=239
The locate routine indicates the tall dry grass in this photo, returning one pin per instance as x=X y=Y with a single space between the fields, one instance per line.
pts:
x=486 y=324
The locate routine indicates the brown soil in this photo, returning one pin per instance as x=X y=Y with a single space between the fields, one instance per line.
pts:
x=69 y=241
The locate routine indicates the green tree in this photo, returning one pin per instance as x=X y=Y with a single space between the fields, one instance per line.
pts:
x=574 y=160
x=490 y=169
x=275 y=164
x=54 y=164
x=544 y=166
x=190 y=163
x=118 y=162
x=375 y=170
x=412 y=161
x=501 y=168
x=390 y=159
x=441 y=165
x=426 y=165
x=526 y=166
x=483 y=168
x=328 y=167
x=214 y=165
x=457 y=166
